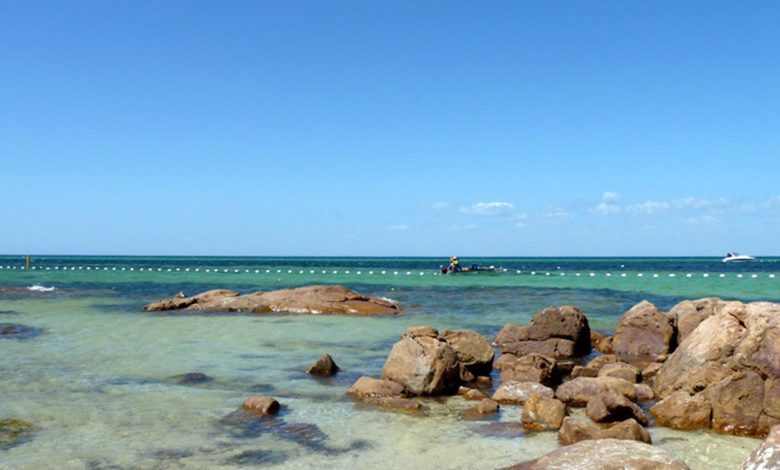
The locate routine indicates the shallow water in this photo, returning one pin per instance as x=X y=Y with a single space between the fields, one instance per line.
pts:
x=97 y=381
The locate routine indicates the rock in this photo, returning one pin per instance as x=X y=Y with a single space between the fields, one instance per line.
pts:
x=423 y=365
x=649 y=372
x=644 y=393
x=578 y=391
x=732 y=358
x=471 y=393
x=620 y=370
x=484 y=380
x=487 y=406
x=767 y=455
x=553 y=347
x=596 y=337
x=600 y=361
x=604 y=345
x=737 y=403
x=682 y=411
x=261 y=405
x=510 y=334
x=542 y=413
x=190 y=378
x=323 y=367
x=580 y=371
x=629 y=430
x=484 y=408
x=574 y=430
x=605 y=454
x=610 y=406
x=310 y=299
x=518 y=392
x=14 y=432
x=565 y=322
x=366 y=387
x=474 y=352
x=529 y=368
x=689 y=313
x=415 y=331
x=19 y=332
x=644 y=331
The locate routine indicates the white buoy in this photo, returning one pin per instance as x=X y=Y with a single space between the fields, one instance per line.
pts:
x=346 y=272
x=722 y=275
x=608 y=274
x=689 y=275
x=739 y=275
x=640 y=275
x=289 y=271
x=577 y=274
x=592 y=274
x=371 y=273
x=655 y=275
x=395 y=273
x=622 y=274
x=705 y=275
x=546 y=274
x=384 y=272
x=754 y=276
x=772 y=276
x=562 y=274
x=359 y=273
x=672 y=275
x=533 y=273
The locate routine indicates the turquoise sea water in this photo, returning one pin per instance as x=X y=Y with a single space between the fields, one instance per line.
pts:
x=97 y=381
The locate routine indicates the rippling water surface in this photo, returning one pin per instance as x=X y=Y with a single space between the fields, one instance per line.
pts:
x=99 y=381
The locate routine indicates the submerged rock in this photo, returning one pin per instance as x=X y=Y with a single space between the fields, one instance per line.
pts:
x=19 y=332
x=14 y=432
x=575 y=430
x=261 y=405
x=323 y=367
x=605 y=454
x=310 y=299
x=190 y=378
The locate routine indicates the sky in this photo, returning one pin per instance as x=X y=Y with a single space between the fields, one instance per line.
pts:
x=399 y=128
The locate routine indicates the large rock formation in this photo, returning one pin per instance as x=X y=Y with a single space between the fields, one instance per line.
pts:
x=689 y=313
x=644 y=331
x=529 y=368
x=310 y=299
x=473 y=350
x=423 y=365
x=732 y=361
x=559 y=332
x=605 y=454
x=574 y=430
x=579 y=391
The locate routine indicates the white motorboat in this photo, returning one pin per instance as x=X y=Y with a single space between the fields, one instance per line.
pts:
x=736 y=257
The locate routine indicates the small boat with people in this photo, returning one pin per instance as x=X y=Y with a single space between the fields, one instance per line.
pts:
x=455 y=268
x=733 y=257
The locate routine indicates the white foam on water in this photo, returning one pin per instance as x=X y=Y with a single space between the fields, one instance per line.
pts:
x=40 y=288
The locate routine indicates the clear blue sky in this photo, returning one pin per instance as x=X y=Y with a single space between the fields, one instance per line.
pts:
x=389 y=128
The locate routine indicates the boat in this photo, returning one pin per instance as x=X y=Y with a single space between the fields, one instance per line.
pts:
x=473 y=269
x=733 y=257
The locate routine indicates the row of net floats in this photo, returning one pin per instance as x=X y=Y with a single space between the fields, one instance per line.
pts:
x=370 y=273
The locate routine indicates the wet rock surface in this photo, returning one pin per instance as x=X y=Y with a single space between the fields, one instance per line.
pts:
x=190 y=378
x=605 y=454
x=325 y=366
x=14 y=432
x=542 y=413
x=767 y=455
x=644 y=331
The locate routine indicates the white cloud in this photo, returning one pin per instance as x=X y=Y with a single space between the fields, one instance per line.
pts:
x=650 y=207
x=440 y=206
x=397 y=228
x=488 y=208
x=610 y=197
x=606 y=208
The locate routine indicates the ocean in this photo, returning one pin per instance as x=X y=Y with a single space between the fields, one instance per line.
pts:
x=100 y=378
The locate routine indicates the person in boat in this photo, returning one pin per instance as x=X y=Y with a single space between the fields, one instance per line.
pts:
x=455 y=265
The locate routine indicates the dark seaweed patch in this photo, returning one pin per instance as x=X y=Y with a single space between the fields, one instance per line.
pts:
x=190 y=378
x=19 y=332
x=14 y=432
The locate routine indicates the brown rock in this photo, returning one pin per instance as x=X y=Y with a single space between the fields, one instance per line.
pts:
x=689 y=313
x=737 y=403
x=323 y=367
x=580 y=371
x=530 y=368
x=553 y=347
x=644 y=331
x=369 y=387
x=565 y=322
x=310 y=299
x=610 y=406
x=542 y=413
x=487 y=406
x=415 y=331
x=484 y=380
x=620 y=370
x=772 y=397
x=261 y=405
x=629 y=430
x=471 y=393
x=604 y=345
x=505 y=361
x=578 y=391
x=644 y=393
x=767 y=455
x=682 y=411
x=474 y=352
x=510 y=334
x=596 y=337
x=649 y=372
x=605 y=454
x=600 y=361
x=574 y=430
x=518 y=392
x=423 y=365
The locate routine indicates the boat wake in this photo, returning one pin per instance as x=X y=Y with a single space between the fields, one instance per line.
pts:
x=40 y=288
